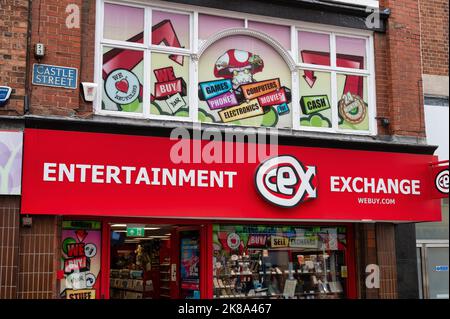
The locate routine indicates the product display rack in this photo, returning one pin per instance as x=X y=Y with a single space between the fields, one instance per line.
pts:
x=314 y=275
x=130 y=284
x=165 y=278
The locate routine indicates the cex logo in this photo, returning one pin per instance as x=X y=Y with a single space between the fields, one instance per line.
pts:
x=285 y=182
x=442 y=181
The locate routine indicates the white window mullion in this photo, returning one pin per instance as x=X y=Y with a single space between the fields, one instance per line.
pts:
x=194 y=33
x=372 y=89
x=334 y=90
x=295 y=81
x=294 y=44
x=193 y=91
x=146 y=95
x=148 y=27
x=334 y=101
x=98 y=60
x=333 y=50
x=296 y=100
x=193 y=72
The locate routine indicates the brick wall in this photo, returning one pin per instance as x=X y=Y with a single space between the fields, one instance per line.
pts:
x=366 y=254
x=382 y=81
x=386 y=255
x=39 y=259
x=400 y=81
x=434 y=24
x=13 y=50
x=87 y=51
x=9 y=245
x=63 y=47
x=375 y=244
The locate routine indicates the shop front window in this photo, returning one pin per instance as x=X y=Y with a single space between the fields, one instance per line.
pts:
x=170 y=64
x=279 y=262
x=146 y=62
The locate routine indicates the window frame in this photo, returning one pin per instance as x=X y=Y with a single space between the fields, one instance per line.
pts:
x=196 y=45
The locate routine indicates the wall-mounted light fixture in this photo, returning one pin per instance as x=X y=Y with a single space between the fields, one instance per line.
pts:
x=385 y=122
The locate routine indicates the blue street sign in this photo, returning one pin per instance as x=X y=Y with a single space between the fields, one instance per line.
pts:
x=55 y=76
x=5 y=93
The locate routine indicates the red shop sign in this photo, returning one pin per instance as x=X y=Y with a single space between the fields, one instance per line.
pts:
x=96 y=174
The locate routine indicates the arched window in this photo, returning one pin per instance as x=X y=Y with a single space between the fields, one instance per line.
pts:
x=243 y=80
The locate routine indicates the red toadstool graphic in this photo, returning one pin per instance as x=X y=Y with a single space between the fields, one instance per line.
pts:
x=238 y=65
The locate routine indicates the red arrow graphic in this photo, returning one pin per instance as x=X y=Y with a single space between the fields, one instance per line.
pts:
x=164 y=32
x=353 y=84
x=310 y=78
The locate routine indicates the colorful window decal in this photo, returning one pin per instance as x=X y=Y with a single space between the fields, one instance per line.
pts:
x=171 y=29
x=209 y=25
x=11 y=147
x=244 y=81
x=123 y=23
x=316 y=99
x=123 y=72
x=351 y=52
x=278 y=32
x=170 y=86
x=314 y=48
x=80 y=262
x=353 y=102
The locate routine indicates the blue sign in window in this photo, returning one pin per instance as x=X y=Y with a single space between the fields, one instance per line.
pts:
x=55 y=76
x=283 y=109
x=441 y=268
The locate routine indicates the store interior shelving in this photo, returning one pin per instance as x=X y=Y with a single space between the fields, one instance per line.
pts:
x=309 y=275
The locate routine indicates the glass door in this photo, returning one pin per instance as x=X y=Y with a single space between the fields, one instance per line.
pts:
x=437 y=271
x=189 y=264
x=433 y=269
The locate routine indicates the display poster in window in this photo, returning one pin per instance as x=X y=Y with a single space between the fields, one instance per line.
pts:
x=169 y=83
x=190 y=259
x=244 y=81
x=11 y=147
x=80 y=261
x=315 y=102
